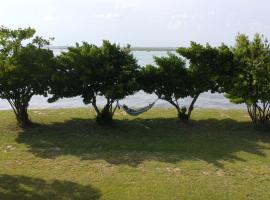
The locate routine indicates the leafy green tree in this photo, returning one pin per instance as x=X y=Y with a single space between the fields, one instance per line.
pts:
x=25 y=69
x=172 y=79
x=251 y=82
x=211 y=67
x=90 y=71
x=169 y=80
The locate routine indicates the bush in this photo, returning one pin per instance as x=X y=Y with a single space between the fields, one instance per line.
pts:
x=251 y=81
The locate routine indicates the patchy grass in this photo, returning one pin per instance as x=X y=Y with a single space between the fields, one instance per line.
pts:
x=218 y=155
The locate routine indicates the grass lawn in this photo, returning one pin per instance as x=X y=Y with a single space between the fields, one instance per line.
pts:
x=218 y=155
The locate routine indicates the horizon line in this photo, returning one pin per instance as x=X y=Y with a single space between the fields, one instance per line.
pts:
x=132 y=48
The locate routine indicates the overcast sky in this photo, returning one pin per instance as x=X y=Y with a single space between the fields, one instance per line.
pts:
x=139 y=22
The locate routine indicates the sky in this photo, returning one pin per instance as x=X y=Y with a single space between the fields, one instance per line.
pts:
x=147 y=23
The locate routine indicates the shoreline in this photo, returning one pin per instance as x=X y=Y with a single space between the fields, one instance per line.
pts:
x=148 y=49
x=139 y=99
x=90 y=108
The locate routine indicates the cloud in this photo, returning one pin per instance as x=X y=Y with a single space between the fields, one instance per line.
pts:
x=127 y=4
x=47 y=18
x=136 y=6
x=211 y=13
x=178 y=21
x=109 y=16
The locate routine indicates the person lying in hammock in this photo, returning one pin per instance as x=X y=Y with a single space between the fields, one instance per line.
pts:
x=136 y=112
x=128 y=109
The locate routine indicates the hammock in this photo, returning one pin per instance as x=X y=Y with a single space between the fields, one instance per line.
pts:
x=136 y=112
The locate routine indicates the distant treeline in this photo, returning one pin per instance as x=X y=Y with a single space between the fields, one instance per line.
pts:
x=28 y=68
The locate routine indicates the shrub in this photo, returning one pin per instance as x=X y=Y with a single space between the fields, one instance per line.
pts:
x=251 y=82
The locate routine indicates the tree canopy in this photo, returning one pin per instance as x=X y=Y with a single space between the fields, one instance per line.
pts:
x=28 y=68
x=251 y=82
x=196 y=69
x=25 y=69
x=211 y=67
x=169 y=79
x=90 y=71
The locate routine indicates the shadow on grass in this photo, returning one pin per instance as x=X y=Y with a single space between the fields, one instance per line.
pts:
x=23 y=187
x=131 y=142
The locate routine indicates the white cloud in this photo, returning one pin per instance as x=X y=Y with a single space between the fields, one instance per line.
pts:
x=124 y=4
x=211 y=13
x=179 y=21
x=109 y=16
x=47 y=18
x=139 y=22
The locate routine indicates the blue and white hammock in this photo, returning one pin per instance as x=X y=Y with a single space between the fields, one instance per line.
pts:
x=136 y=112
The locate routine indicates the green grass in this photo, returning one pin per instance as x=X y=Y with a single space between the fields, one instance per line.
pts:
x=218 y=155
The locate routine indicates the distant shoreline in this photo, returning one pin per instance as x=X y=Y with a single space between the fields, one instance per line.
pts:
x=132 y=48
x=153 y=48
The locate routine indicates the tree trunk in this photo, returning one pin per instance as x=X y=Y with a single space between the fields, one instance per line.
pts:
x=22 y=117
x=259 y=115
x=182 y=112
x=191 y=107
x=96 y=109
x=20 y=111
x=106 y=115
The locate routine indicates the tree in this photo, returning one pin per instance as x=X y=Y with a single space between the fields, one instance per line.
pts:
x=168 y=80
x=90 y=71
x=251 y=82
x=172 y=79
x=211 y=67
x=25 y=70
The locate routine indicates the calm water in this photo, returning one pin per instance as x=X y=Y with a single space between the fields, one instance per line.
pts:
x=206 y=100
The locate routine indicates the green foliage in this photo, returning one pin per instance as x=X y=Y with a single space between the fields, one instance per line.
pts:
x=90 y=71
x=172 y=79
x=25 y=70
x=251 y=82
x=165 y=78
x=169 y=80
x=210 y=67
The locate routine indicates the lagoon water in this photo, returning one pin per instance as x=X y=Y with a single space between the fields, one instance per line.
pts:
x=206 y=100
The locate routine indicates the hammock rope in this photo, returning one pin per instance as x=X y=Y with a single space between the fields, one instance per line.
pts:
x=136 y=112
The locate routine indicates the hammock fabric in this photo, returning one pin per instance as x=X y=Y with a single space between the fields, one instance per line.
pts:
x=136 y=112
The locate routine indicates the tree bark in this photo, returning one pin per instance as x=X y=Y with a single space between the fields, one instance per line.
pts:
x=23 y=118
x=259 y=115
x=105 y=116
x=22 y=115
x=96 y=109
x=20 y=111
x=191 y=107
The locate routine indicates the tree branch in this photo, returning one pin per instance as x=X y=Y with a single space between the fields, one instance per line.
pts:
x=191 y=107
